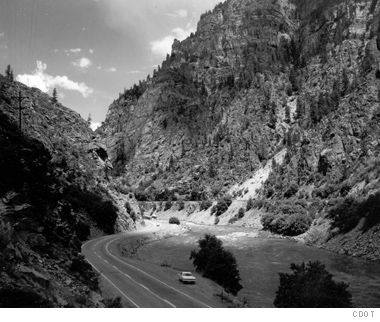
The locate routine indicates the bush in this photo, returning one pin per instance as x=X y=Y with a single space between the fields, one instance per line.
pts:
x=233 y=220
x=104 y=213
x=205 y=204
x=87 y=275
x=286 y=224
x=113 y=303
x=222 y=205
x=249 y=204
x=241 y=213
x=174 y=220
x=181 y=205
x=216 y=263
x=82 y=230
x=168 y=205
x=216 y=221
x=133 y=215
x=345 y=214
x=311 y=286
x=292 y=190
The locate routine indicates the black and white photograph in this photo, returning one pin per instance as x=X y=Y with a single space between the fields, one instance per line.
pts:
x=190 y=154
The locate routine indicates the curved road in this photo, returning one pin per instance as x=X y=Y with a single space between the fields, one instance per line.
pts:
x=137 y=284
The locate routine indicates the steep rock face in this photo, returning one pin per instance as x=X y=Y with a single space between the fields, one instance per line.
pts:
x=205 y=112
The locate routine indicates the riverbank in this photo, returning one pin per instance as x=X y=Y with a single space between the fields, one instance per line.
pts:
x=357 y=243
x=260 y=259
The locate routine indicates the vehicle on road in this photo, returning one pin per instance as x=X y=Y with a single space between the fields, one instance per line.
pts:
x=186 y=277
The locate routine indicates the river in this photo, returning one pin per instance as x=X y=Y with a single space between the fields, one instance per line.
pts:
x=261 y=259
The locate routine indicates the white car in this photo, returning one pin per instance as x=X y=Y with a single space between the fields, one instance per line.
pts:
x=186 y=277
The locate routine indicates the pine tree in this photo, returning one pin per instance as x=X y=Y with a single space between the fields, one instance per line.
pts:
x=54 y=98
x=89 y=119
x=9 y=73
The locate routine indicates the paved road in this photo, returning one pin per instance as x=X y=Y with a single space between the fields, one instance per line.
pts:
x=138 y=286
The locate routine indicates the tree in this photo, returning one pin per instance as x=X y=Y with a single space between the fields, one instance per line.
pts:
x=54 y=99
x=311 y=286
x=216 y=263
x=89 y=119
x=9 y=73
x=174 y=220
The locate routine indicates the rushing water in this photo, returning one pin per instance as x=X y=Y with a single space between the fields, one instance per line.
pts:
x=261 y=259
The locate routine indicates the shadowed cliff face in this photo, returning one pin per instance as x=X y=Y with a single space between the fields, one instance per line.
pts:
x=52 y=198
x=256 y=77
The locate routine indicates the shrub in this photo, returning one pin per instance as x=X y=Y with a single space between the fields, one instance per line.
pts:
x=216 y=263
x=249 y=204
x=269 y=192
x=87 y=275
x=311 y=286
x=168 y=205
x=345 y=214
x=104 y=213
x=205 y=204
x=174 y=220
x=222 y=205
x=133 y=215
x=128 y=207
x=292 y=190
x=241 y=213
x=82 y=230
x=113 y=303
x=216 y=221
x=233 y=220
x=286 y=224
x=181 y=205
x=14 y=297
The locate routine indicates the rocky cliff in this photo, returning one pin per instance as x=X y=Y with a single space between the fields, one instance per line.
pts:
x=258 y=77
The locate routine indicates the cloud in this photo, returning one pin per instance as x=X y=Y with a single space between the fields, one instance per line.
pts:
x=181 y=13
x=2 y=34
x=46 y=82
x=91 y=51
x=134 y=72
x=111 y=70
x=163 y=46
x=94 y=125
x=83 y=63
x=68 y=51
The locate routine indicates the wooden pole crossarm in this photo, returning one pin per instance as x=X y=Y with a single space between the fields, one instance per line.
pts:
x=20 y=108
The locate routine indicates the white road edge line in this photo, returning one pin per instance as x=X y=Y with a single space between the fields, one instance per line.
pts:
x=113 y=284
x=143 y=286
x=151 y=275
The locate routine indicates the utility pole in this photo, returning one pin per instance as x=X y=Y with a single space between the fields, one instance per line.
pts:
x=20 y=108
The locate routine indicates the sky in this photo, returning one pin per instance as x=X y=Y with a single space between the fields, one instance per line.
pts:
x=90 y=50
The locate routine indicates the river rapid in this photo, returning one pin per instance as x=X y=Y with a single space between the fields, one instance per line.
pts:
x=260 y=259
